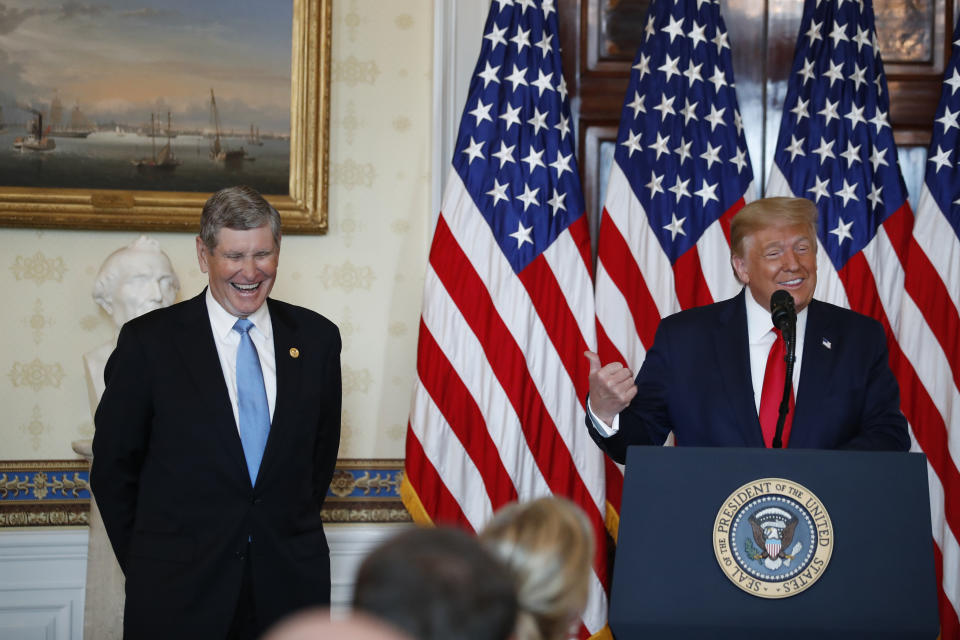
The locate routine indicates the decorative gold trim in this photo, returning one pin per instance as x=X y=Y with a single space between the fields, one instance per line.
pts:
x=304 y=209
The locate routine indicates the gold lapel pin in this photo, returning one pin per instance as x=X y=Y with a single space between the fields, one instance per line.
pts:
x=294 y=352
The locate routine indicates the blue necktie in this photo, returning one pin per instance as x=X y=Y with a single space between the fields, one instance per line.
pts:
x=251 y=400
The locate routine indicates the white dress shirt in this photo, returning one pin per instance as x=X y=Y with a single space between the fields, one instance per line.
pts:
x=228 y=342
x=760 y=337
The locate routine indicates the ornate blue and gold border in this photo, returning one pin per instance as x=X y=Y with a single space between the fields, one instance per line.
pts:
x=43 y=493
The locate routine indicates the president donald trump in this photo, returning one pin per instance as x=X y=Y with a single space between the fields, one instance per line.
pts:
x=216 y=440
x=715 y=374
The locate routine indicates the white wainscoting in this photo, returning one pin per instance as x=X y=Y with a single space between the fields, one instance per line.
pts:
x=42 y=577
x=43 y=573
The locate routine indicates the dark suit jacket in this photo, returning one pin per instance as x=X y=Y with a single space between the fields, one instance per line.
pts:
x=695 y=381
x=173 y=488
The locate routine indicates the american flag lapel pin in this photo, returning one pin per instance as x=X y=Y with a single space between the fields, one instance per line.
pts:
x=826 y=343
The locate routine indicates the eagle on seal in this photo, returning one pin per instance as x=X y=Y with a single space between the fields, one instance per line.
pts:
x=773 y=533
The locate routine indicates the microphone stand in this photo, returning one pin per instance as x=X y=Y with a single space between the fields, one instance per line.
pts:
x=789 y=332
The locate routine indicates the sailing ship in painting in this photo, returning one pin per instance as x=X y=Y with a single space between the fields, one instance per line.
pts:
x=254 y=138
x=79 y=125
x=37 y=139
x=218 y=150
x=165 y=160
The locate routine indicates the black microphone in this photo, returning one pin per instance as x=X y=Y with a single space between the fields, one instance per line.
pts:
x=784 y=316
x=782 y=311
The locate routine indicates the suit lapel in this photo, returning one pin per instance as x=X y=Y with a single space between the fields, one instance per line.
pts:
x=285 y=345
x=199 y=353
x=733 y=359
x=818 y=344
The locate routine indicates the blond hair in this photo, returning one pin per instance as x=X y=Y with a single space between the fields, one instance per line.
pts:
x=771 y=212
x=548 y=545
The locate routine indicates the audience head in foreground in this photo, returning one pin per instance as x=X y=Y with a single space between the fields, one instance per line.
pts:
x=548 y=545
x=437 y=584
x=315 y=624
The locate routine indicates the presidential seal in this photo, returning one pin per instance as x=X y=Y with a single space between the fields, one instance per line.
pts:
x=773 y=538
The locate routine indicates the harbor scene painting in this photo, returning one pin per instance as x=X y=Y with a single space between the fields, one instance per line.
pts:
x=178 y=96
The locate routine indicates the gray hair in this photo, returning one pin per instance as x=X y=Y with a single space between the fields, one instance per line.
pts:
x=110 y=269
x=240 y=207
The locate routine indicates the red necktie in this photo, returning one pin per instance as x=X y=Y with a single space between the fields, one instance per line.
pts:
x=773 y=379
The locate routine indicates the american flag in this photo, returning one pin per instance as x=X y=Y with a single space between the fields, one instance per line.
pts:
x=930 y=334
x=681 y=171
x=836 y=148
x=497 y=413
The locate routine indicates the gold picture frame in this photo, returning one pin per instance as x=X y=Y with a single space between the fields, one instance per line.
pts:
x=303 y=209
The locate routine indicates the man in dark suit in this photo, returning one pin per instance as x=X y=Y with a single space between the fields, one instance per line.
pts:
x=216 y=439
x=703 y=377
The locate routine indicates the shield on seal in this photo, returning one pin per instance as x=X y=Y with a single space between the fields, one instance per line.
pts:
x=773 y=547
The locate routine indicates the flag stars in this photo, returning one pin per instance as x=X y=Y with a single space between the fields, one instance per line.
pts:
x=855 y=116
x=829 y=111
x=842 y=231
x=721 y=41
x=655 y=184
x=548 y=8
x=711 y=155
x=715 y=117
x=795 y=148
x=660 y=146
x=481 y=112
x=637 y=104
x=877 y=158
x=670 y=67
x=499 y=192
x=489 y=74
x=533 y=159
x=632 y=143
x=737 y=122
x=543 y=82
x=718 y=79
x=852 y=154
x=814 y=31
x=473 y=150
x=544 y=44
x=835 y=72
x=862 y=38
x=839 y=34
x=665 y=107
x=674 y=28
x=680 y=190
x=675 y=227
x=517 y=78
x=707 y=192
x=954 y=82
x=556 y=202
x=539 y=120
x=825 y=150
x=563 y=126
x=740 y=159
x=524 y=5
x=511 y=116
x=692 y=73
x=496 y=37
x=807 y=71
x=819 y=189
x=644 y=65
x=505 y=154
x=858 y=76
x=562 y=88
x=522 y=234
x=689 y=111
x=948 y=119
x=941 y=158
x=696 y=34
x=683 y=150
x=874 y=197
x=562 y=164
x=848 y=192
x=801 y=109
x=528 y=197
x=880 y=121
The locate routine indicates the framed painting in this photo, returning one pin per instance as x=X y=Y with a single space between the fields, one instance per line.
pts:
x=115 y=116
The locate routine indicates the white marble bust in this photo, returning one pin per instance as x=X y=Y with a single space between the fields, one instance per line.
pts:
x=132 y=281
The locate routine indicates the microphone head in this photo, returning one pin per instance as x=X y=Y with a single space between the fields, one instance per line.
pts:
x=782 y=310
